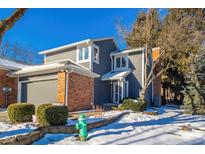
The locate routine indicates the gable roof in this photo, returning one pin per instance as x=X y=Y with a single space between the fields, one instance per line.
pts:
x=77 y=43
x=54 y=67
x=126 y=51
x=9 y=64
x=116 y=75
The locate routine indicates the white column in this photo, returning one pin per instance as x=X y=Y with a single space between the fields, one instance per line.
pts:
x=122 y=89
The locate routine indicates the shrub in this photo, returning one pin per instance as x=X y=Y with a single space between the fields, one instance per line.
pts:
x=41 y=116
x=130 y=104
x=48 y=115
x=21 y=112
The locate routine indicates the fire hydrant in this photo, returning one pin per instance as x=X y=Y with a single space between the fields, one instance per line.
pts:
x=82 y=127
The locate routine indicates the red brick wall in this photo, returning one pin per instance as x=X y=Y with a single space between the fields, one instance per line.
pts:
x=80 y=92
x=61 y=87
x=157 y=81
x=11 y=82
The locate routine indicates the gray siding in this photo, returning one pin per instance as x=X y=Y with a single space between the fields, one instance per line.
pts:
x=102 y=92
x=67 y=53
x=148 y=96
x=135 y=77
x=85 y=64
x=70 y=53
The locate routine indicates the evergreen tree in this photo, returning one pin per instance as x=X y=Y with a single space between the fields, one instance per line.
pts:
x=194 y=93
x=181 y=35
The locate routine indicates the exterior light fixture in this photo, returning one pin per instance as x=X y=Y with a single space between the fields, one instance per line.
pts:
x=6 y=90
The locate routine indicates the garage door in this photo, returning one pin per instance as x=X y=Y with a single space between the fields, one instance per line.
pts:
x=39 y=92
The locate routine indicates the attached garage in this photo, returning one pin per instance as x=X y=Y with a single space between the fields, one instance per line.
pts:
x=39 y=92
x=63 y=83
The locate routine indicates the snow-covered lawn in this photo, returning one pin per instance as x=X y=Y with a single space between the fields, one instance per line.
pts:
x=138 y=128
x=7 y=129
x=99 y=117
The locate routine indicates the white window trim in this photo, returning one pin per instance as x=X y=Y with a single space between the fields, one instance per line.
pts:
x=77 y=56
x=98 y=49
x=121 y=68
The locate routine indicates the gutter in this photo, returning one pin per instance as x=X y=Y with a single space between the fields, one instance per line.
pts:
x=63 y=47
x=115 y=53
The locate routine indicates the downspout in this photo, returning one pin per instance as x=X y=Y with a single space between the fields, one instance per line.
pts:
x=19 y=90
x=111 y=62
x=66 y=88
x=111 y=82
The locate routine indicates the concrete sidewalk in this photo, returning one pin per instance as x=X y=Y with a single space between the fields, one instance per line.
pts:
x=3 y=116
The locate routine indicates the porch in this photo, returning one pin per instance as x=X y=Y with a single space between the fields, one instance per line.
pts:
x=119 y=86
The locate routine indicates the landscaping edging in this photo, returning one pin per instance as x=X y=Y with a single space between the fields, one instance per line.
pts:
x=29 y=138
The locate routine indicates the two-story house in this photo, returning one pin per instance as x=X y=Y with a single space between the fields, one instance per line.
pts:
x=79 y=74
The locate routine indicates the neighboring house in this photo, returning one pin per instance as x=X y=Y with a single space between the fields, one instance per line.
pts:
x=6 y=67
x=79 y=74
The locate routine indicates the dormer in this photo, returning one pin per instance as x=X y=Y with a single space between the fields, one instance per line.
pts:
x=121 y=62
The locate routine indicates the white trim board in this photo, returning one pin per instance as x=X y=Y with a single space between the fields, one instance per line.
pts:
x=126 y=51
x=77 y=43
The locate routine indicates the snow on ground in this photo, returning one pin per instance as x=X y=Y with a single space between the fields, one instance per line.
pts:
x=7 y=129
x=96 y=118
x=138 y=128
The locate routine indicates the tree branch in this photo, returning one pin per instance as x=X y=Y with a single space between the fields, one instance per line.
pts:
x=9 y=22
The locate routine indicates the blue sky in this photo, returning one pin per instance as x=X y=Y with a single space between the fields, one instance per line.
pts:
x=48 y=28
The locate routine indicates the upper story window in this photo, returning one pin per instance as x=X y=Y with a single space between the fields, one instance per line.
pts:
x=86 y=53
x=118 y=62
x=83 y=54
x=121 y=62
x=96 y=55
x=80 y=57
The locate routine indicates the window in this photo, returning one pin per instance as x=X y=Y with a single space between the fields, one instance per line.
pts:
x=83 y=54
x=96 y=54
x=118 y=62
x=121 y=62
x=80 y=54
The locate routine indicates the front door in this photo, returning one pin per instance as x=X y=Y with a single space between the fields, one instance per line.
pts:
x=120 y=91
x=115 y=92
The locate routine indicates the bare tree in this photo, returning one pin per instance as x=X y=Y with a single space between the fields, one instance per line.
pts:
x=20 y=53
x=9 y=22
x=145 y=32
x=177 y=35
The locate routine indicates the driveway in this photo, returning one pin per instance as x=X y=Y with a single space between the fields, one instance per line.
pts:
x=3 y=116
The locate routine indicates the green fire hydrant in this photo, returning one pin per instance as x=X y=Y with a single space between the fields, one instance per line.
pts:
x=82 y=127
